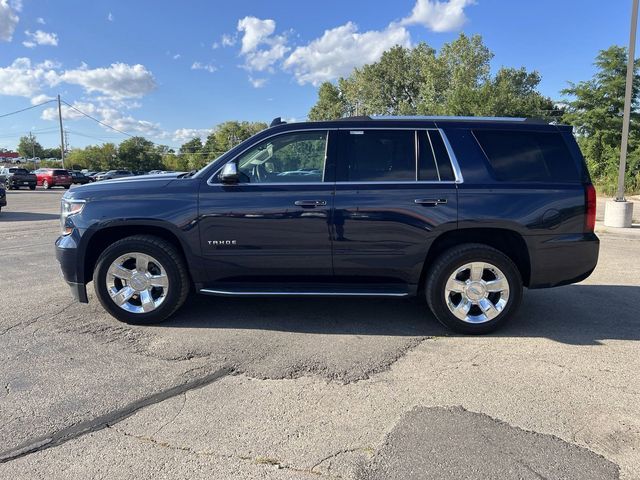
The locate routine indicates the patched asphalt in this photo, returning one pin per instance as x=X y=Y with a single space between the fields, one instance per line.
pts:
x=454 y=443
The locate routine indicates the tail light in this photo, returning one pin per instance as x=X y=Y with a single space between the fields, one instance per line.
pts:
x=590 y=212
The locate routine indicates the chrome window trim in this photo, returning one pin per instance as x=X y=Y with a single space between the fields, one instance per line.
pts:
x=452 y=159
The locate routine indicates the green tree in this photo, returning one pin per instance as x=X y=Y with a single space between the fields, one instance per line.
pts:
x=420 y=81
x=192 y=146
x=138 y=153
x=51 y=152
x=29 y=147
x=595 y=109
x=330 y=104
x=229 y=134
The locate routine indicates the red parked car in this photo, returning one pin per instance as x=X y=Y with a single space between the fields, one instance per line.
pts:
x=53 y=177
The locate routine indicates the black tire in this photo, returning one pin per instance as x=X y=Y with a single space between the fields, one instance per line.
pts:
x=67 y=187
x=170 y=259
x=447 y=263
x=32 y=187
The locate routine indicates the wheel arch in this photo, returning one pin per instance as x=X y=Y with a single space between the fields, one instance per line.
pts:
x=507 y=241
x=104 y=236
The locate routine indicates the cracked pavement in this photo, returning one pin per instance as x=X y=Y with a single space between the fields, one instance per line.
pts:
x=293 y=388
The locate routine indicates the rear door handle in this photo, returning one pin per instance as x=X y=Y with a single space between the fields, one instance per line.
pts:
x=430 y=202
x=310 y=203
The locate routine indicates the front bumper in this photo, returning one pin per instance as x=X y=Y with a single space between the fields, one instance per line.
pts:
x=66 y=254
x=561 y=259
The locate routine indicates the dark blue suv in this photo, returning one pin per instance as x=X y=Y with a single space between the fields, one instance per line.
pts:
x=462 y=211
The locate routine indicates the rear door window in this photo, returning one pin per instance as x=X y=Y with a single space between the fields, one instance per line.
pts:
x=433 y=158
x=377 y=156
x=528 y=156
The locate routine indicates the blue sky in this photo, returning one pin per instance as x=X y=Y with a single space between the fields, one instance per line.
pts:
x=168 y=70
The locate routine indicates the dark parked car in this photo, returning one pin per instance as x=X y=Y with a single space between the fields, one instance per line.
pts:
x=79 y=178
x=112 y=174
x=18 y=177
x=3 y=196
x=463 y=211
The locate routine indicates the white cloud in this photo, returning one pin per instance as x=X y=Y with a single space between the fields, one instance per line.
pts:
x=41 y=98
x=41 y=21
x=117 y=81
x=228 y=40
x=260 y=48
x=183 y=135
x=439 y=16
x=40 y=38
x=24 y=79
x=203 y=66
x=69 y=113
x=8 y=19
x=255 y=32
x=176 y=56
x=113 y=117
x=341 y=49
x=257 y=82
x=110 y=17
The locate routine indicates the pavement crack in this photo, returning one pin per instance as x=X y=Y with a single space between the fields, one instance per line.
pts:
x=367 y=450
x=89 y=426
x=33 y=320
x=184 y=402
x=253 y=459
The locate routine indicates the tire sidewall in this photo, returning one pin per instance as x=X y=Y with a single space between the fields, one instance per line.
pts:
x=170 y=303
x=436 y=288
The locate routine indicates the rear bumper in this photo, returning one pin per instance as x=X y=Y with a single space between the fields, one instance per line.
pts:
x=66 y=254
x=561 y=259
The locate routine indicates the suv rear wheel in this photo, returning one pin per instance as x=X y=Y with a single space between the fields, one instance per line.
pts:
x=473 y=288
x=141 y=279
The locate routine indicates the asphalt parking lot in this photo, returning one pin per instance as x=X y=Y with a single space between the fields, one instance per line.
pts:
x=297 y=389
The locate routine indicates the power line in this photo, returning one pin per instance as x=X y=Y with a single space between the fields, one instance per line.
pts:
x=96 y=120
x=25 y=109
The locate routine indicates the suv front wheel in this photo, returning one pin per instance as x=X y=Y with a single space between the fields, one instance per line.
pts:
x=141 y=279
x=473 y=288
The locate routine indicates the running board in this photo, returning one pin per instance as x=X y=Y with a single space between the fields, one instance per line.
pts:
x=241 y=292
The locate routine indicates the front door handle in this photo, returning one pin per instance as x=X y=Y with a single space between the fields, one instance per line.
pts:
x=310 y=203
x=430 y=202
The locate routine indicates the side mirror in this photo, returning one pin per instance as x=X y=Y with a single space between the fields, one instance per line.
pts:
x=229 y=174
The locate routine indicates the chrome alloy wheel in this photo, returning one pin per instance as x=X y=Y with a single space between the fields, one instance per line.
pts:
x=137 y=282
x=477 y=292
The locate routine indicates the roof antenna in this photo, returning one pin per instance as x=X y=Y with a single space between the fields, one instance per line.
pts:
x=277 y=121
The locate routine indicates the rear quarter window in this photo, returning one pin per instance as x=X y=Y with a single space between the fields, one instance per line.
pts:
x=60 y=172
x=528 y=156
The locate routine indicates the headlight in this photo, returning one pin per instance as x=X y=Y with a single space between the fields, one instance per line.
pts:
x=67 y=209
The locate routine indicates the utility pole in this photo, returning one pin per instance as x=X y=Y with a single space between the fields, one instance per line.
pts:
x=619 y=212
x=61 y=132
x=33 y=150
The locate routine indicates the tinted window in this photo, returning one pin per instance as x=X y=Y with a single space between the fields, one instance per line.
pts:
x=19 y=171
x=288 y=158
x=60 y=172
x=427 y=170
x=442 y=156
x=377 y=156
x=528 y=156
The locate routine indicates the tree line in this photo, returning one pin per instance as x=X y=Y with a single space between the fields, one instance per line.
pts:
x=456 y=80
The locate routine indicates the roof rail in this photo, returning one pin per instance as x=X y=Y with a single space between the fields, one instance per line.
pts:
x=458 y=118
x=358 y=117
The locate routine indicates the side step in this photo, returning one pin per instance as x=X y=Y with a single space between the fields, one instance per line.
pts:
x=301 y=290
